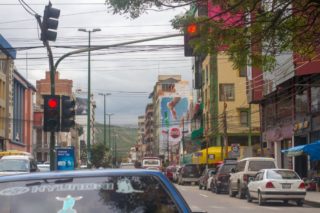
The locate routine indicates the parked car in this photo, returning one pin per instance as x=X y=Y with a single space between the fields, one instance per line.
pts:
x=17 y=164
x=106 y=190
x=246 y=168
x=203 y=180
x=220 y=181
x=189 y=173
x=276 y=184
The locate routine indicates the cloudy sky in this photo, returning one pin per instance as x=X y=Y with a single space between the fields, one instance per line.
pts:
x=129 y=73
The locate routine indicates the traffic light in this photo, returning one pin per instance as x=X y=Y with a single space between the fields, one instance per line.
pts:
x=191 y=31
x=51 y=113
x=67 y=113
x=50 y=23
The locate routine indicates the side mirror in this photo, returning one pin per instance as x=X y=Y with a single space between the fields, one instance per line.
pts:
x=233 y=170
x=251 y=179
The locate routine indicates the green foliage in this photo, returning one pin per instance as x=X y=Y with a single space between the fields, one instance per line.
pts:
x=265 y=28
x=100 y=156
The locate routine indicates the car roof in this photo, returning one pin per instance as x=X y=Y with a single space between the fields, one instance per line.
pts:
x=17 y=157
x=276 y=170
x=80 y=173
x=257 y=158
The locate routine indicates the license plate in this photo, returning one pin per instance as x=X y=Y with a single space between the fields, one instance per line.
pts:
x=286 y=186
x=191 y=175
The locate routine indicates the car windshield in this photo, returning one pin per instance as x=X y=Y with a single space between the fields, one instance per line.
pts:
x=282 y=175
x=258 y=165
x=226 y=168
x=115 y=194
x=193 y=169
x=14 y=165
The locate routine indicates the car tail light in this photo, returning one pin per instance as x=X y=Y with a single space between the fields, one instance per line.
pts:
x=302 y=186
x=269 y=185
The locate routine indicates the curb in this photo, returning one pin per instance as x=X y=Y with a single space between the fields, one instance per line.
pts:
x=312 y=203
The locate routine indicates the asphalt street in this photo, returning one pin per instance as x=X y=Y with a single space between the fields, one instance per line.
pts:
x=211 y=202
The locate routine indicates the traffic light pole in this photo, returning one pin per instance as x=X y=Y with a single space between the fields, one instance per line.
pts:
x=52 y=92
x=88 y=104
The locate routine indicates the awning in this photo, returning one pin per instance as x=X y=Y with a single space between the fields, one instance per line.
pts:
x=312 y=149
x=197 y=133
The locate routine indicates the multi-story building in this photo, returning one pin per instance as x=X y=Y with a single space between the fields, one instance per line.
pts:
x=22 y=123
x=42 y=139
x=171 y=96
x=82 y=120
x=142 y=146
x=7 y=56
x=148 y=130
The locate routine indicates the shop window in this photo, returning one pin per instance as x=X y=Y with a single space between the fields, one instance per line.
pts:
x=226 y=92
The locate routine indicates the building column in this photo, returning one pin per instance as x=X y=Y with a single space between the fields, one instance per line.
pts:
x=277 y=153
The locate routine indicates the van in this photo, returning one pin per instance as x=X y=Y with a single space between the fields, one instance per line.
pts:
x=245 y=170
x=17 y=164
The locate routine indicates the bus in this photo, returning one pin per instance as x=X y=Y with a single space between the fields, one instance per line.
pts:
x=14 y=152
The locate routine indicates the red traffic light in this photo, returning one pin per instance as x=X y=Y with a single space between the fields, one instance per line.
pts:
x=52 y=103
x=192 y=28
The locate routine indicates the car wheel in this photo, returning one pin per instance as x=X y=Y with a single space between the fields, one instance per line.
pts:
x=260 y=200
x=248 y=196
x=285 y=202
x=240 y=192
x=200 y=187
x=205 y=187
x=231 y=193
x=299 y=203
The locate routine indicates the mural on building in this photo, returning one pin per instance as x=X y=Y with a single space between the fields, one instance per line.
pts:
x=81 y=106
x=174 y=120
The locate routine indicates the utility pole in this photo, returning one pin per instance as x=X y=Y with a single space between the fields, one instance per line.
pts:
x=109 y=114
x=225 y=136
x=104 y=118
x=250 y=130
x=89 y=93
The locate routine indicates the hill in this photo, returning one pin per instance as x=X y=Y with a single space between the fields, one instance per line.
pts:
x=125 y=137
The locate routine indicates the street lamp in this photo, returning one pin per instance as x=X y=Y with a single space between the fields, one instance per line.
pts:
x=89 y=91
x=109 y=114
x=104 y=117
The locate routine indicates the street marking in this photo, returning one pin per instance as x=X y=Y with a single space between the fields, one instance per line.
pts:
x=271 y=208
x=204 y=195
x=217 y=207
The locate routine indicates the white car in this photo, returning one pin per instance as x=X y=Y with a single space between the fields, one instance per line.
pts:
x=276 y=184
x=17 y=164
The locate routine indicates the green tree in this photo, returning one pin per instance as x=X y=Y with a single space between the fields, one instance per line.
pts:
x=261 y=31
x=100 y=156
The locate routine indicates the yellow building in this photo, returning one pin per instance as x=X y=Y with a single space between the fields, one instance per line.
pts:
x=224 y=92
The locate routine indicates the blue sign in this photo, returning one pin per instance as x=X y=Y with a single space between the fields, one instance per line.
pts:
x=65 y=158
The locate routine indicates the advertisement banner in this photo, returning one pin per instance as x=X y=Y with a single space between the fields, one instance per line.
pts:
x=174 y=119
x=81 y=106
x=65 y=158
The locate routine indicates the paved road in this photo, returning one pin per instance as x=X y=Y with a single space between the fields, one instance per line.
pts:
x=210 y=202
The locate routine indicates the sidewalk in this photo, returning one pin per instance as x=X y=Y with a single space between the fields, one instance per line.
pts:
x=313 y=198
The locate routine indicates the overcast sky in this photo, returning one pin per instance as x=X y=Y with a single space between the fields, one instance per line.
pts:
x=129 y=76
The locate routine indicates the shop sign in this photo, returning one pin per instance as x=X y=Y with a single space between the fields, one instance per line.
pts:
x=302 y=126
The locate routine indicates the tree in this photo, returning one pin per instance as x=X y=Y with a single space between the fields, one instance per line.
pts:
x=100 y=156
x=250 y=31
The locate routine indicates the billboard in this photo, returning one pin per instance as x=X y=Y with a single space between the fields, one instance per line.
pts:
x=65 y=158
x=81 y=106
x=174 y=120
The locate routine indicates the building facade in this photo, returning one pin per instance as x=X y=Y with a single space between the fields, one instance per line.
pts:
x=41 y=138
x=7 y=56
x=148 y=131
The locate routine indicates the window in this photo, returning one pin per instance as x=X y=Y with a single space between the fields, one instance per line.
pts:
x=244 y=117
x=243 y=72
x=258 y=165
x=226 y=92
x=315 y=99
x=241 y=165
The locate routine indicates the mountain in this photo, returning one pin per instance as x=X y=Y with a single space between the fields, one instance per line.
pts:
x=124 y=136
